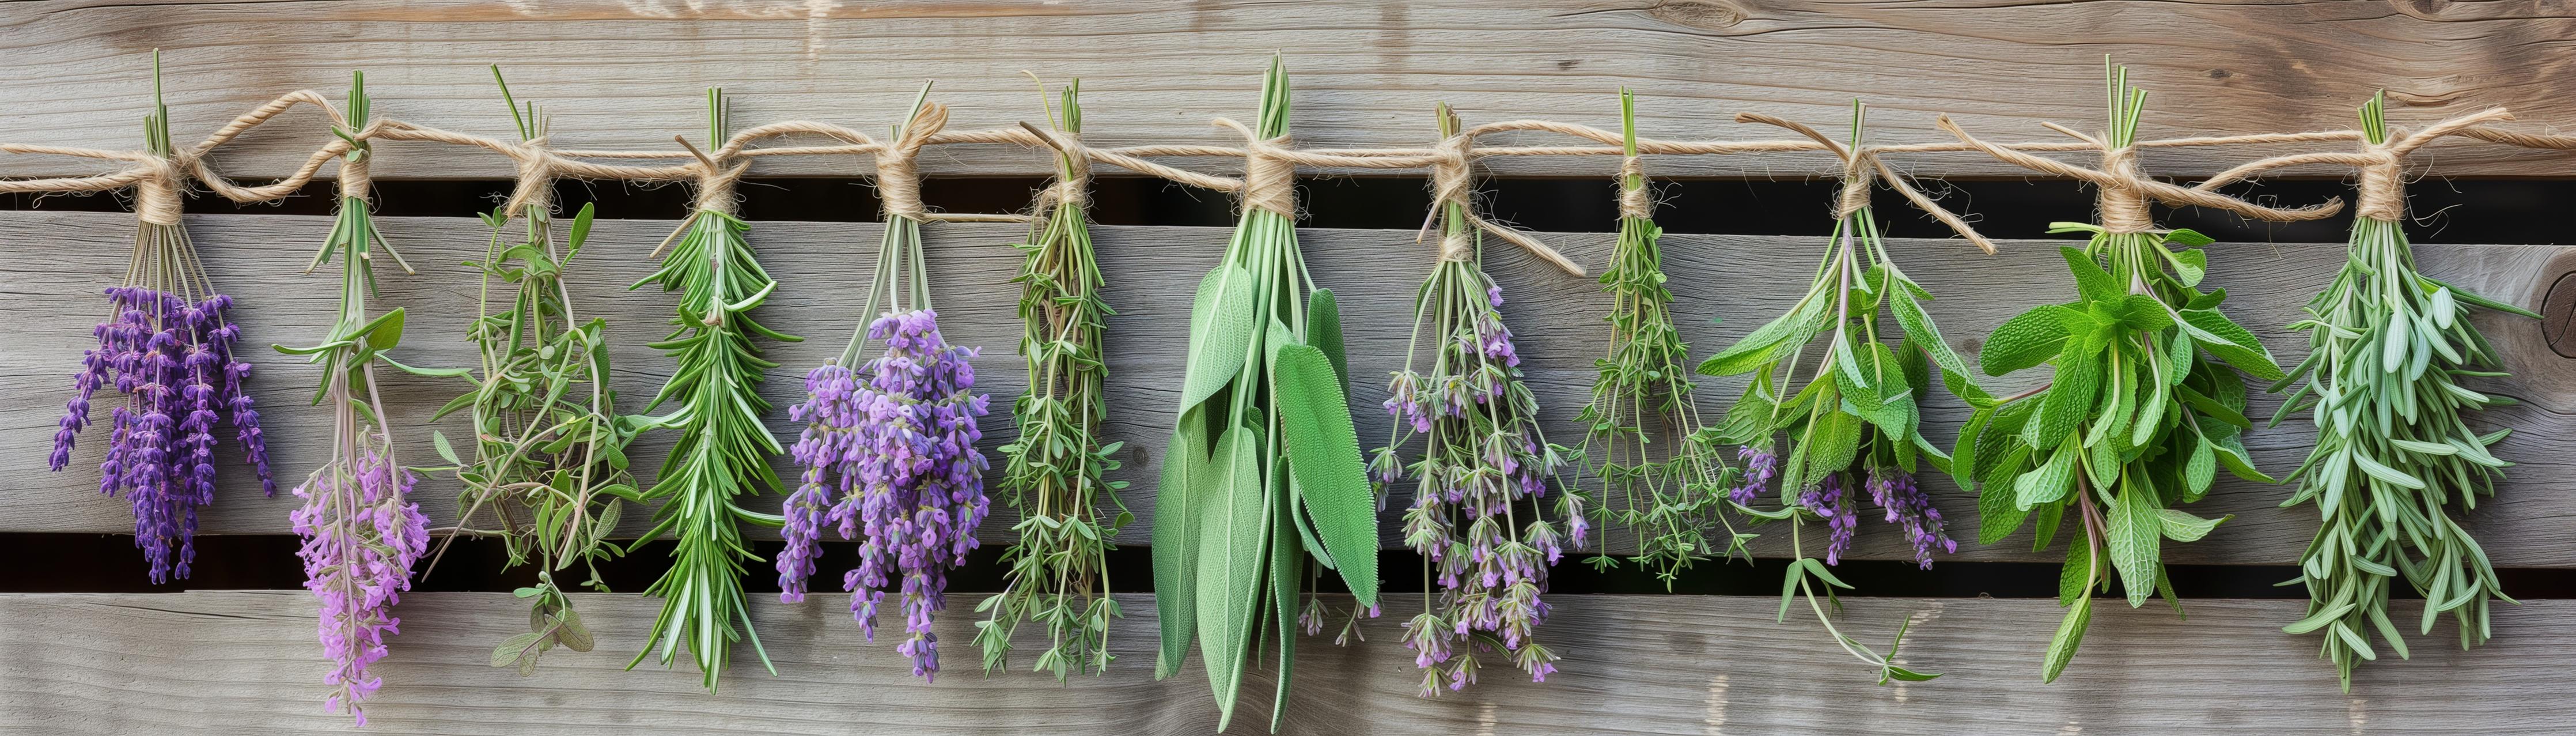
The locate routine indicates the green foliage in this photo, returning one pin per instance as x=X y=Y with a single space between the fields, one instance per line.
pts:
x=1673 y=496
x=1226 y=509
x=1853 y=418
x=2141 y=409
x=723 y=449
x=2382 y=383
x=1058 y=573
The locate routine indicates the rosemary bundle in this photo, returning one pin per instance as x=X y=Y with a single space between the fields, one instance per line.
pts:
x=889 y=446
x=723 y=450
x=1058 y=573
x=1264 y=460
x=2382 y=384
x=1485 y=466
x=1671 y=496
x=167 y=346
x=360 y=532
x=549 y=454
x=1854 y=424
x=2141 y=411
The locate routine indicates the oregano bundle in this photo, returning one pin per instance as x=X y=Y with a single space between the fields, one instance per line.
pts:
x=2143 y=407
x=2382 y=382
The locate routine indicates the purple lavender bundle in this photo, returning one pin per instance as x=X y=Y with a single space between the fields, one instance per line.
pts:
x=171 y=356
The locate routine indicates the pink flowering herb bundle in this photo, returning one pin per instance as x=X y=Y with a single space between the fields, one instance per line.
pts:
x=889 y=455
x=167 y=346
x=1481 y=508
x=361 y=532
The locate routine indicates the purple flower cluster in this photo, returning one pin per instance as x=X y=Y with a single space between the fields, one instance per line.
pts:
x=1760 y=466
x=359 y=546
x=1908 y=506
x=1483 y=468
x=896 y=440
x=173 y=360
x=1894 y=491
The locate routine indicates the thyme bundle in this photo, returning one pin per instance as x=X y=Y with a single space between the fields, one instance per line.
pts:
x=723 y=450
x=549 y=450
x=168 y=347
x=895 y=438
x=1058 y=572
x=360 y=531
x=2141 y=411
x=1854 y=424
x=1264 y=456
x=2382 y=384
x=1485 y=466
x=1673 y=497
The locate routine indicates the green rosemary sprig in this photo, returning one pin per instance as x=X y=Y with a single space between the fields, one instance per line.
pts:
x=723 y=450
x=1264 y=454
x=549 y=453
x=2382 y=385
x=1059 y=570
x=1854 y=423
x=2141 y=412
x=1671 y=497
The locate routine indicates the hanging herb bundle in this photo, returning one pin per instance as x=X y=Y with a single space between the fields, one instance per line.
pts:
x=2382 y=385
x=1059 y=570
x=1853 y=425
x=1485 y=466
x=168 y=347
x=549 y=455
x=1671 y=497
x=896 y=439
x=1264 y=460
x=2141 y=411
x=723 y=450
x=361 y=533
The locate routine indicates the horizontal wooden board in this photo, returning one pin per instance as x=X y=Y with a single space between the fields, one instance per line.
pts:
x=117 y=664
x=627 y=74
x=48 y=300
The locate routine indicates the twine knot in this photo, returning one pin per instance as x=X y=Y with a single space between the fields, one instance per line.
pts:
x=1452 y=174
x=1269 y=173
x=898 y=172
x=156 y=190
x=1857 y=182
x=534 y=190
x=1072 y=186
x=2381 y=192
x=1634 y=201
x=2124 y=207
x=357 y=180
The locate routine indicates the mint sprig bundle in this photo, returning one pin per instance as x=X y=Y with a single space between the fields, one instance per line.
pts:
x=1058 y=573
x=2382 y=384
x=1854 y=423
x=1670 y=497
x=2140 y=412
x=1263 y=467
x=724 y=448
x=548 y=458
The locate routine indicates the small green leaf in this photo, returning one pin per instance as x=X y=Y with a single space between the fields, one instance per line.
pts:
x=1323 y=453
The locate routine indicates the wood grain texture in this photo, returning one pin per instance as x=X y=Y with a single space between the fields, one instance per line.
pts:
x=628 y=73
x=48 y=301
x=245 y=662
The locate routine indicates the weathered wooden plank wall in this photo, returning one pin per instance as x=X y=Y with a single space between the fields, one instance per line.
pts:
x=627 y=73
x=117 y=664
x=1151 y=272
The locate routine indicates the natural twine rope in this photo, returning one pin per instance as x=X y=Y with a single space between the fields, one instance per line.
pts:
x=2124 y=191
x=2380 y=170
x=1862 y=170
x=1635 y=203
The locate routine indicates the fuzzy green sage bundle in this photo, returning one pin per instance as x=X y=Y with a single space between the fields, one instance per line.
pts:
x=2383 y=385
x=1263 y=467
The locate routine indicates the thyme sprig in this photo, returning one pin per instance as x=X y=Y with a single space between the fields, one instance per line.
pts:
x=1672 y=497
x=1854 y=423
x=549 y=450
x=2382 y=384
x=2142 y=409
x=1058 y=572
x=724 y=449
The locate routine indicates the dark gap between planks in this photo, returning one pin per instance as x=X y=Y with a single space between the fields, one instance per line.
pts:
x=2482 y=211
